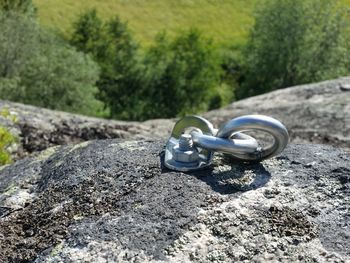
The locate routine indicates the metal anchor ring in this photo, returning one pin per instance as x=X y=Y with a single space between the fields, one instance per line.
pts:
x=262 y=123
x=194 y=140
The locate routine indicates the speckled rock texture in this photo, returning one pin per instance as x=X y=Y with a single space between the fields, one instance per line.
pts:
x=315 y=113
x=113 y=201
x=39 y=129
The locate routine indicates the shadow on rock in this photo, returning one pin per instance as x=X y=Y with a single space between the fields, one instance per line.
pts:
x=228 y=176
x=232 y=177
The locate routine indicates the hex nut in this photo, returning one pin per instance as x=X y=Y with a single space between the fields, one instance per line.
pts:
x=188 y=156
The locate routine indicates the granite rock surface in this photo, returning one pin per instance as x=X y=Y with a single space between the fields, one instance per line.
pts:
x=39 y=128
x=113 y=201
x=313 y=113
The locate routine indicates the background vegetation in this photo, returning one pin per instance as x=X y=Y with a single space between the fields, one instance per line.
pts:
x=295 y=42
x=172 y=77
x=117 y=61
x=36 y=67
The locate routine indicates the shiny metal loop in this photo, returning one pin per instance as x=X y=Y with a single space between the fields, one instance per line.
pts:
x=193 y=141
x=203 y=132
x=240 y=143
x=257 y=122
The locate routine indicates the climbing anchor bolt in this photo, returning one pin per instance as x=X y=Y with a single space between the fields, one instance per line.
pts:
x=194 y=140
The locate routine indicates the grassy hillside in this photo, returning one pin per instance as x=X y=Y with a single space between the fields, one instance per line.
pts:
x=226 y=21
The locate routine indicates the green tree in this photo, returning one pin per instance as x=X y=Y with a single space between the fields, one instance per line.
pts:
x=121 y=79
x=170 y=79
x=295 y=42
x=183 y=76
x=38 y=68
x=88 y=34
x=113 y=47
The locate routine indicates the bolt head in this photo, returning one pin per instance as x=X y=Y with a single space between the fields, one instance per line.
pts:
x=187 y=156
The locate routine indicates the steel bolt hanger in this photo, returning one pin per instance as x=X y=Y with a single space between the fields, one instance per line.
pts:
x=193 y=141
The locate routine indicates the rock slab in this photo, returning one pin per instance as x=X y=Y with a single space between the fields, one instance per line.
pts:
x=113 y=201
x=39 y=128
x=313 y=113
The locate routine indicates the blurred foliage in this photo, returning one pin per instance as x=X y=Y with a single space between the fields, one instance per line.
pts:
x=112 y=75
x=38 y=68
x=295 y=42
x=113 y=47
x=172 y=78
x=183 y=76
x=20 y=6
x=6 y=138
x=5 y=113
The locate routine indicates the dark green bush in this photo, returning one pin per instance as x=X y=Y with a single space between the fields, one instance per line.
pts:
x=183 y=76
x=113 y=47
x=172 y=78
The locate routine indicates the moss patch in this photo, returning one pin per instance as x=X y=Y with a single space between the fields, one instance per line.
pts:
x=6 y=141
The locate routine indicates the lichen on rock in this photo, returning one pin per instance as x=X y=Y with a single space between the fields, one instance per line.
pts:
x=113 y=201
